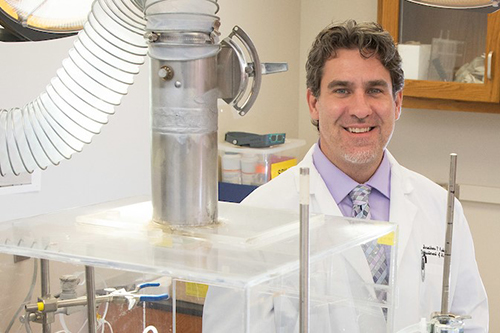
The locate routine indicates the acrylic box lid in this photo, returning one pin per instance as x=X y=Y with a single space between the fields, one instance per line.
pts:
x=120 y=235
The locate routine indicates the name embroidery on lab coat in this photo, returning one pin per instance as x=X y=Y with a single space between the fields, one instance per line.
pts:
x=429 y=251
x=433 y=251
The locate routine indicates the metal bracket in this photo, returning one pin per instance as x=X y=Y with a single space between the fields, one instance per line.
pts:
x=234 y=71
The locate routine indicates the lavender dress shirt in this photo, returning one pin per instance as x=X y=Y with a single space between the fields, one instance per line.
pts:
x=340 y=185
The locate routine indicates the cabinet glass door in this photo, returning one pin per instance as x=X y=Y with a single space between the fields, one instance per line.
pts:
x=443 y=44
x=447 y=53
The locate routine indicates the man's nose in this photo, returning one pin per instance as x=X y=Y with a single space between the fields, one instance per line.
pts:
x=360 y=106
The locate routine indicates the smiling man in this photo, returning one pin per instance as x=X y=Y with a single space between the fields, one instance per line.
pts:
x=354 y=93
x=355 y=109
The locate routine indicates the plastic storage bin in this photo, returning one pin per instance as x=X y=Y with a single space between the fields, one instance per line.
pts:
x=256 y=166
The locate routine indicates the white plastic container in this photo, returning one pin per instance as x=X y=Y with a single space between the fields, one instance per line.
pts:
x=249 y=164
x=231 y=168
x=260 y=165
x=415 y=60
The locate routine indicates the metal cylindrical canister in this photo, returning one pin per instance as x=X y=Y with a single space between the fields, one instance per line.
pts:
x=184 y=141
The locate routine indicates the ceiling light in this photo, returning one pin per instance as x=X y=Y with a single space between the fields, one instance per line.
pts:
x=43 y=19
x=491 y=5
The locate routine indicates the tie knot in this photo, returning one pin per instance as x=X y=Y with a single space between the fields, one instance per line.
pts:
x=359 y=195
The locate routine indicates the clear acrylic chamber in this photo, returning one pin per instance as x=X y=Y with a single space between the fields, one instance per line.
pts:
x=248 y=263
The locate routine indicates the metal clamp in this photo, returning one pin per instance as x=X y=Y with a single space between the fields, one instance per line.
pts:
x=446 y=323
x=235 y=71
x=114 y=295
x=177 y=38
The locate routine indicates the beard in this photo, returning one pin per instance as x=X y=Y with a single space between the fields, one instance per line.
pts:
x=360 y=157
x=367 y=155
x=356 y=152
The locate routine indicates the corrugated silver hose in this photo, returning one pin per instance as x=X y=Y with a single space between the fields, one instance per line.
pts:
x=91 y=83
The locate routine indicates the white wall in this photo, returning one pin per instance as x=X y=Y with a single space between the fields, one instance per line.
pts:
x=274 y=27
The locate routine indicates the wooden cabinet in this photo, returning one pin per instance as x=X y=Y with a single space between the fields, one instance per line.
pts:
x=479 y=35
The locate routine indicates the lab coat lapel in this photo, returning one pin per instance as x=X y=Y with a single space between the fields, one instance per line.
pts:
x=320 y=196
x=322 y=201
x=402 y=211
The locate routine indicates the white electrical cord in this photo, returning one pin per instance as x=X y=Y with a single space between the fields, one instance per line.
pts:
x=150 y=328
x=81 y=328
x=109 y=325
x=63 y=323
x=143 y=315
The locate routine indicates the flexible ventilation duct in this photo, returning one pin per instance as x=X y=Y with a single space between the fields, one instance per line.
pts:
x=183 y=45
x=190 y=70
x=77 y=102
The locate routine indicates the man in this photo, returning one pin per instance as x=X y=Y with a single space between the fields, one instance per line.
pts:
x=354 y=93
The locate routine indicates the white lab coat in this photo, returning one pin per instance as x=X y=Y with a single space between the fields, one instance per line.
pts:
x=418 y=206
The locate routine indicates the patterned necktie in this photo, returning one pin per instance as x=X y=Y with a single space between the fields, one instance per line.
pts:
x=374 y=252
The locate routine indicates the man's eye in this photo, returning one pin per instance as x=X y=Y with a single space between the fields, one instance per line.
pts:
x=341 y=91
x=374 y=91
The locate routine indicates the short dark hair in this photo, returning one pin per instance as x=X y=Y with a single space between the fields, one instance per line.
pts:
x=368 y=37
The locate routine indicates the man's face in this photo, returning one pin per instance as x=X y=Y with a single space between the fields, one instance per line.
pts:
x=356 y=109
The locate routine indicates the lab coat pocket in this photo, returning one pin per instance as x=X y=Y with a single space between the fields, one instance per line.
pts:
x=430 y=287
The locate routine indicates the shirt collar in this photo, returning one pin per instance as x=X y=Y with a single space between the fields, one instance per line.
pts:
x=340 y=185
x=381 y=179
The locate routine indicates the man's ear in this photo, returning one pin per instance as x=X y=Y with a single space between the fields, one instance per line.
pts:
x=311 y=102
x=399 y=103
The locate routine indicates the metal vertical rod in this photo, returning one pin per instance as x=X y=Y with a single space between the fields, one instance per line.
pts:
x=45 y=286
x=304 y=251
x=449 y=235
x=174 y=306
x=91 y=303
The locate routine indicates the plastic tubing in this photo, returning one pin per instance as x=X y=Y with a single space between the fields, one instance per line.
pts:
x=79 y=99
x=151 y=329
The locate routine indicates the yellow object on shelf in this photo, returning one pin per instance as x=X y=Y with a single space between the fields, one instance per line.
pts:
x=257 y=166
